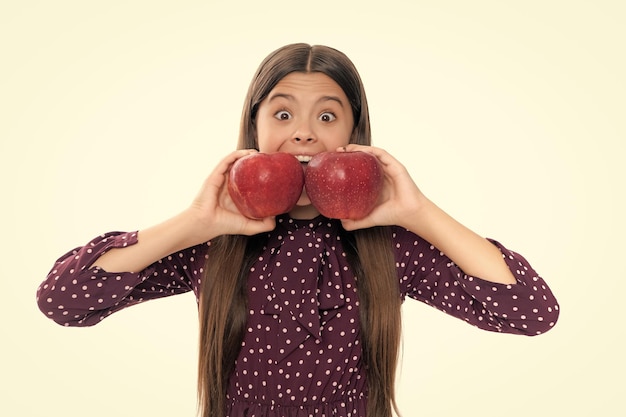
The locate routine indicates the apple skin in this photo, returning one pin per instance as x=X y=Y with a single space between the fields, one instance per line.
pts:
x=344 y=185
x=265 y=184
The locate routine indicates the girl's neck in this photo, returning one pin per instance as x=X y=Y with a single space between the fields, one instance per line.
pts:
x=304 y=212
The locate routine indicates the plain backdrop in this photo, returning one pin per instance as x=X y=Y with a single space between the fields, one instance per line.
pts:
x=508 y=114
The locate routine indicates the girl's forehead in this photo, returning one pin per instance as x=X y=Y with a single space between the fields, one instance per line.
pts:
x=316 y=83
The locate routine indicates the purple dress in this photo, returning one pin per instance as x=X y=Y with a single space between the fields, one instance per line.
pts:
x=301 y=353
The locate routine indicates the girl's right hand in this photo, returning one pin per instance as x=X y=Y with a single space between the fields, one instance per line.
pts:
x=211 y=214
x=216 y=212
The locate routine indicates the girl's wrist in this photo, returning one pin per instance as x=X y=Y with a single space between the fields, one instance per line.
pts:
x=417 y=215
x=195 y=227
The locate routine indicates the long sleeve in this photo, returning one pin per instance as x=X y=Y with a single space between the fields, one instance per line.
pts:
x=527 y=307
x=75 y=293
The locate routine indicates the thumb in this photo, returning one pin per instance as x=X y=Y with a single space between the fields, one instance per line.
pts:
x=260 y=225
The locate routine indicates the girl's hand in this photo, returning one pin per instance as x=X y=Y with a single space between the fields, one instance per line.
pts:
x=400 y=197
x=403 y=204
x=215 y=210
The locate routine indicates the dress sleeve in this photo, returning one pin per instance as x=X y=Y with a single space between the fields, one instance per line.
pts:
x=75 y=293
x=426 y=274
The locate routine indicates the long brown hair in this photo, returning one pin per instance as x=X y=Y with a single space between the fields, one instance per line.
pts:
x=222 y=310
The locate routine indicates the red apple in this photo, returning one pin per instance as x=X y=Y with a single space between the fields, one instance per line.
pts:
x=344 y=185
x=263 y=184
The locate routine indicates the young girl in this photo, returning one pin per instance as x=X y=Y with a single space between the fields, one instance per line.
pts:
x=300 y=314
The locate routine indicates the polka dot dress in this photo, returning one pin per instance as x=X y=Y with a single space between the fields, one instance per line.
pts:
x=301 y=353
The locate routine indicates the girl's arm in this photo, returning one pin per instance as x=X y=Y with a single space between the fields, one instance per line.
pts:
x=211 y=214
x=117 y=270
x=452 y=268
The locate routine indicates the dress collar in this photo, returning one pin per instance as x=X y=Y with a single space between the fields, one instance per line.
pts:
x=317 y=223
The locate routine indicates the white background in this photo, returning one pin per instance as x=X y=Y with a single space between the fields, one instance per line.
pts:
x=508 y=114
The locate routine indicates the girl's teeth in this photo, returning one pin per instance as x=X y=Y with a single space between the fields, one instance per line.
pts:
x=304 y=158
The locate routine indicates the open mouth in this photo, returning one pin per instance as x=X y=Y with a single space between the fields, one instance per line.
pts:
x=304 y=158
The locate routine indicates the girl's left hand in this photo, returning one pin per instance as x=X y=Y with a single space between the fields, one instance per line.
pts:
x=402 y=204
x=400 y=197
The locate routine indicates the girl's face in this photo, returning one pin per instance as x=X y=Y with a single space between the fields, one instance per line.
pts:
x=305 y=114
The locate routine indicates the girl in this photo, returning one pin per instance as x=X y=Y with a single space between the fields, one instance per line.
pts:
x=300 y=314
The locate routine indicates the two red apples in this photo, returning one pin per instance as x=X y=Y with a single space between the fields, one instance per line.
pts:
x=341 y=185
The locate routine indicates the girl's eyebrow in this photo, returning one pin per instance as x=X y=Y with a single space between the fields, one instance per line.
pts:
x=283 y=95
x=292 y=98
x=331 y=98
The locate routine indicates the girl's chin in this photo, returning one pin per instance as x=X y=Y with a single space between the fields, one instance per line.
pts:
x=304 y=209
x=303 y=200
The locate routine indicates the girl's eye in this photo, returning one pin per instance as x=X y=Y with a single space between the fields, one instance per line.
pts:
x=282 y=115
x=327 y=117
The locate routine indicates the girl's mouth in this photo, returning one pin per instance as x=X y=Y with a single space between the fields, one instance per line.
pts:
x=304 y=158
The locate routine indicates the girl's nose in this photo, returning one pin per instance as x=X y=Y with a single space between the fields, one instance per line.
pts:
x=307 y=140
x=304 y=134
